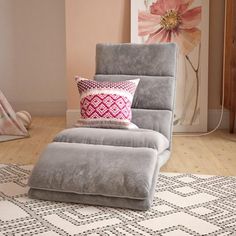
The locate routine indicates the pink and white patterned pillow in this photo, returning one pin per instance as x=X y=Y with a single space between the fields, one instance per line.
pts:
x=106 y=104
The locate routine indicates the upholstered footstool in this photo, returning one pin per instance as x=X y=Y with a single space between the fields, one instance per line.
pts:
x=106 y=167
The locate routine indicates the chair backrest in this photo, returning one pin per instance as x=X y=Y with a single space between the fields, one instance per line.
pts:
x=155 y=65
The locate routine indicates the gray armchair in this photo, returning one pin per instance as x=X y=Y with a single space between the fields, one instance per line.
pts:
x=113 y=167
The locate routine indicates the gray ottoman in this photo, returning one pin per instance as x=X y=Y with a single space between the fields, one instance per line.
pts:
x=96 y=174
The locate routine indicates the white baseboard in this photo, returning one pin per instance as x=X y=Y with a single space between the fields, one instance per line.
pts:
x=213 y=118
x=55 y=108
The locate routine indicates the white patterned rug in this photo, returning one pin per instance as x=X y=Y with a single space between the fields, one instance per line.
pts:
x=185 y=204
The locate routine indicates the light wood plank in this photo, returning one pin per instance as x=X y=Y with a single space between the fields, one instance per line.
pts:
x=26 y=151
x=214 y=154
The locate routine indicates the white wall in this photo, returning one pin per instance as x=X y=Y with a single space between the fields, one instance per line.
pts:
x=32 y=55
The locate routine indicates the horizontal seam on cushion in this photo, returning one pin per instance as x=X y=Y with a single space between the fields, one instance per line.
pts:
x=151 y=109
x=140 y=130
x=92 y=194
x=132 y=74
x=102 y=145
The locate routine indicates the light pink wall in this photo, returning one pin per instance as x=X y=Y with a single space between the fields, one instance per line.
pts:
x=88 y=23
x=32 y=55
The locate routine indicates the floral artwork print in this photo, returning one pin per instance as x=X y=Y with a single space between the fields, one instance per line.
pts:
x=171 y=21
x=177 y=21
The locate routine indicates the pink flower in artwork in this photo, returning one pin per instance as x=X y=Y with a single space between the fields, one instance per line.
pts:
x=171 y=21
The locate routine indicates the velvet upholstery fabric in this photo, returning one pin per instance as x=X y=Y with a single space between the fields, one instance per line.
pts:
x=116 y=168
x=153 y=92
x=115 y=137
x=136 y=59
x=163 y=158
x=158 y=120
x=155 y=66
x=96 y=171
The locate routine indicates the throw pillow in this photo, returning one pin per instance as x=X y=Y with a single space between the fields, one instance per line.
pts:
x=106 y=104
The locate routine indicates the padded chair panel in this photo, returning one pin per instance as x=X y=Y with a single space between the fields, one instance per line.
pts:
x=97 y=200
x=96 y=174
x=136 y=59
x=153 y=92
x=115 y=137
x=159 y=121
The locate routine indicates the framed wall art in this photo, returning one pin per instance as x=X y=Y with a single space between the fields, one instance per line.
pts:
x=185 y=22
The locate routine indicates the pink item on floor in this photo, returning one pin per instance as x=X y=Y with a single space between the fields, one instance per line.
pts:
x=10 y=126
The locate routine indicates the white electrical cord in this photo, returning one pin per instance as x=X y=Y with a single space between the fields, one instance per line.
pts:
x=220 y=120
x=222 y=106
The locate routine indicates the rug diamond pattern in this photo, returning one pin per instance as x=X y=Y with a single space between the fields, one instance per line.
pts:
x=184 y=204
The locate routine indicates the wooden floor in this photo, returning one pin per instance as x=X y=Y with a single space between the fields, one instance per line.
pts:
x=213 y=154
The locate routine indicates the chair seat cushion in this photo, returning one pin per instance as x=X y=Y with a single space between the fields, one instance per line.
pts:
x=105 y=174
x=115 y=137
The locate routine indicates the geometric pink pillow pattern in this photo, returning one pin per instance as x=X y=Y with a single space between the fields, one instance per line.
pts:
x=106 y=104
